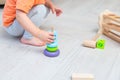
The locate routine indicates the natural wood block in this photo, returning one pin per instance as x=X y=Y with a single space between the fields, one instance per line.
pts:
x=112 y=36
x=112 y=24
x=77 y=76
x=89 y=43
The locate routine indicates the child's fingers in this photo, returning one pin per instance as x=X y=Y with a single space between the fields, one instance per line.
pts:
x=51 y=33
x=51 y=37
x=58 y=12
x=50 y=41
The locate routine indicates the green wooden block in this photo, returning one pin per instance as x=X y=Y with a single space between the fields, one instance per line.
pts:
x=100 y=44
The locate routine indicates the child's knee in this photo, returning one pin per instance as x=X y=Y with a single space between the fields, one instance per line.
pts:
x=42 y=10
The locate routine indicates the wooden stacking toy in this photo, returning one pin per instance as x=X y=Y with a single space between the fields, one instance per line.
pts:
x=110 y=26
x=52 y=48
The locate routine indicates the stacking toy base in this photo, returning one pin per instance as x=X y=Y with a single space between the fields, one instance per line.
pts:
x=51 y=54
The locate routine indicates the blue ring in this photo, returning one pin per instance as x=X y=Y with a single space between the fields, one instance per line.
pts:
x=54 y=44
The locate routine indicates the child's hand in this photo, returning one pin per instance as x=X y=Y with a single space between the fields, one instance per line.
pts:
x=53 y=8
x=56 y=10
x=47 y=37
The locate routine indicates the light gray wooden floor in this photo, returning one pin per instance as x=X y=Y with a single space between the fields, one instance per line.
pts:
x=78 y=22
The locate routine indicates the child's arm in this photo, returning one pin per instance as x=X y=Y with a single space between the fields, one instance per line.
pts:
x=30 y=27
x=53 y=8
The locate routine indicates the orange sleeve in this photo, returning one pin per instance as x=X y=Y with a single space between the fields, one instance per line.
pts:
x=24 y=5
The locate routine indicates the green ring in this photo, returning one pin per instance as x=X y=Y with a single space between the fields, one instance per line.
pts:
x=52 y=49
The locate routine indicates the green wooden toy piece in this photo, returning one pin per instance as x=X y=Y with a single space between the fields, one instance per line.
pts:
x=52 y=49
x=100 y=44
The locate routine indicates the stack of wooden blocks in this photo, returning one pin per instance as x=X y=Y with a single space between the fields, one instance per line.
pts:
x=111 y=25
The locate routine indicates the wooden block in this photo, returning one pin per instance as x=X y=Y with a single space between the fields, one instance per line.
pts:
x=77 y=76
x=110 y=21
x=112 y=26
x=112 y=35
x=114 y=23
x=111 y=18
x=89 y=43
